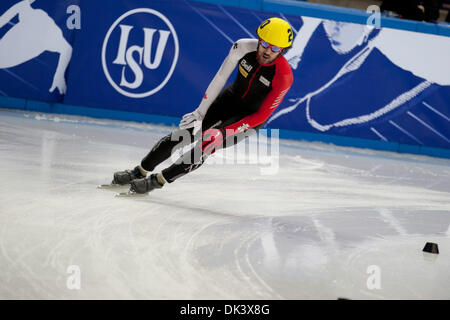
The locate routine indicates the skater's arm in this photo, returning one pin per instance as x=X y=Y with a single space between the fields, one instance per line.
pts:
x=212 y=139
x=237 y=51
x=281 y=84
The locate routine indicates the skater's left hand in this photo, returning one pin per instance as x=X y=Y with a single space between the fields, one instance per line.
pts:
x=191 y=120
x=212 y=140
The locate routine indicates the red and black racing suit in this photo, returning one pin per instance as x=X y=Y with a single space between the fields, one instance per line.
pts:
x=247 y=103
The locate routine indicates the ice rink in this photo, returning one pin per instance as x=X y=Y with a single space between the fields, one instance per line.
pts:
x=331 y=223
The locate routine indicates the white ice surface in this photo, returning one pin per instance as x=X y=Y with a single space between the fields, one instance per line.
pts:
x=222 y=232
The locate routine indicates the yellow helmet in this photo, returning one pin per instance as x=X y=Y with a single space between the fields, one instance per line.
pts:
x=276 y=31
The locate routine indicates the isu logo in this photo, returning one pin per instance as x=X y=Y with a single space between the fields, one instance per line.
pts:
x=139 y=61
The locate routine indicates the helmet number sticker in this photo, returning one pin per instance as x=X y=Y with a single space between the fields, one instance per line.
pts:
x=265 y=23
x=289 y=35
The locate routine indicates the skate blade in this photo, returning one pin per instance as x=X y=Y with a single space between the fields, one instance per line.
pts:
x=130 y=194
x=112 y=186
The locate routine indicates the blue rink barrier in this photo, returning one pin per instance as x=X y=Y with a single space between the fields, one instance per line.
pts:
x=116 y=72
x=58 y=108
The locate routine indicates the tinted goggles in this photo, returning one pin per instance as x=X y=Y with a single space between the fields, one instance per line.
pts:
x=271 y=46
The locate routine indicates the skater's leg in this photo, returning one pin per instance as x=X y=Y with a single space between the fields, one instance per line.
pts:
x=190 y=161
x=145 y=185
x=193 y=159
x=160 y=152
x=220 y=114
x=163 y=149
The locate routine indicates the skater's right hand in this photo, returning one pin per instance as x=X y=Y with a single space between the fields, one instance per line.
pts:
x=191 y=120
